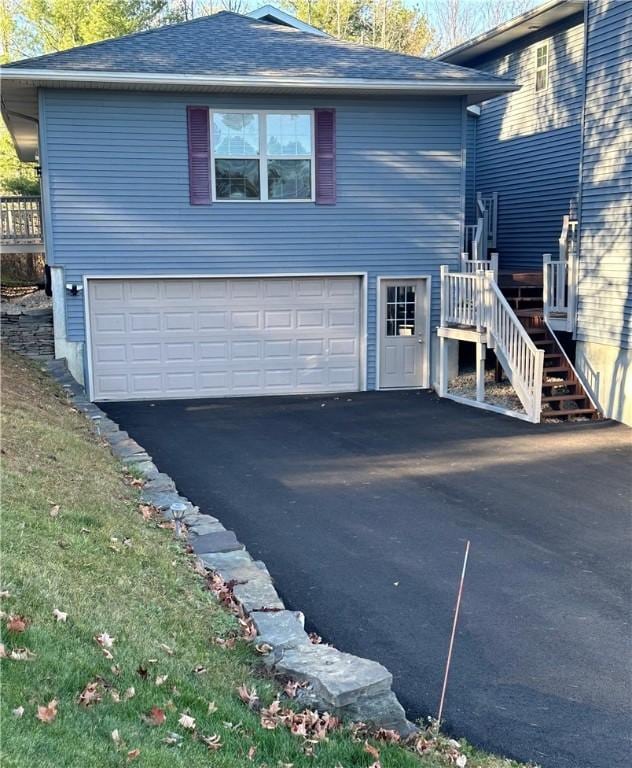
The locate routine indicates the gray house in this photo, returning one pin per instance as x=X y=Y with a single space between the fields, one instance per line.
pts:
x=551 y=167
x=245 y=206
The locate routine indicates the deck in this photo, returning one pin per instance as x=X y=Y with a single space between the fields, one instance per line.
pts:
x=21 y=225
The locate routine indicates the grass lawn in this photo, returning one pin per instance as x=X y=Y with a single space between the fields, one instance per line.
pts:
x=73 y=541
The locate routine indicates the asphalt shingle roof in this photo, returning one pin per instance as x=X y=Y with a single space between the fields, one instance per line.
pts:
x=229 y=44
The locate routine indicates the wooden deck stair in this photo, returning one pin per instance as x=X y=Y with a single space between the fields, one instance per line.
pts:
x=563 y=395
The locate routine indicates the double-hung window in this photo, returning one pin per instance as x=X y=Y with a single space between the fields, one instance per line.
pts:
x=262 y=156
x=542 y=67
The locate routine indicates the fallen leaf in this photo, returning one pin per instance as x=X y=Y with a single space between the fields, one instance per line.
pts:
x=263 y=648
x=172 y=739
x=166 y=649
x=129 y=693
x=371 y=750
x=18 y=711
x=199 y=670
x=132 y=755
x=54 y=510
x=3 y=651
x=116 y=696
x=4 y=593
x=60 y=615
x=90 y=695
x=290 y=688
x=249 y=697
x=251 y=753
x=186 y=721
x=116 y=737
x=21 y=654
x=160 y=679
x=115 y=669
x=17 y=623
x=212 y=708
x=48 y=713
x=155 y=716
x=461 y=761
x=104 y=640
x=314 y=638
x=212 y=742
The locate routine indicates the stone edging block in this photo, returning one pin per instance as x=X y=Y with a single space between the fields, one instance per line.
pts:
x=349 y=686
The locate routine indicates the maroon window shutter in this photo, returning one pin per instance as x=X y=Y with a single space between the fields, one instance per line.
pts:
x=325 y=156
x=199 y=155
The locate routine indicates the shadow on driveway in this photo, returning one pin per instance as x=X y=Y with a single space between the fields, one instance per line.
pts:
x=360 y=506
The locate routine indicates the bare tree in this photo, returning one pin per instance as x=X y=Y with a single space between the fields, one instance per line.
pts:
x=494 y=12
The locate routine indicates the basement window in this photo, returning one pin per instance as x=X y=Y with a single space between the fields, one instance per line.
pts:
x=542 y=67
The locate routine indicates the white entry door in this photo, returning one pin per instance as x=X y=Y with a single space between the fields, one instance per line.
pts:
x=403 y=325
x=215 y=337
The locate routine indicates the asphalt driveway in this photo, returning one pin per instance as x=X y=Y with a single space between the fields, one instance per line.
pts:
x=360 y=506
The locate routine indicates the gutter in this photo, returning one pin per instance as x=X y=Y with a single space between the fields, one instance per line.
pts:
x=45 y=76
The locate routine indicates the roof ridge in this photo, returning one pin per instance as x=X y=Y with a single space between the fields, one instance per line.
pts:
x=139 y=33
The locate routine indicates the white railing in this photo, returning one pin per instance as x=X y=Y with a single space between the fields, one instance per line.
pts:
x=559 y=280
x=522 y=361
x=474 y=300
x=488 y=205
x=471 y=266
x=469 y=235
x=20 y=219
x=462 y=301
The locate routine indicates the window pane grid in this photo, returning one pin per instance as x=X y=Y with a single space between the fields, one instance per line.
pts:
x=400 y=310
x=265 y=156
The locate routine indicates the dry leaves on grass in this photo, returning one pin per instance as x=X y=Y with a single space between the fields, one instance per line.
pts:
x=431 y=742
x=161 y=679
x=249 y=697
x=156 y=716
x=91 y=694
x=60 y=615
x=212 y=742
x=133 y=754
x=54 y=510
x=18 y=654
x=186 y=721
x=309 y=723
x=46 y=714
x=17 y=623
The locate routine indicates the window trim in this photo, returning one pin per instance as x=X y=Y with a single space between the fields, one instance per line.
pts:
x=263 y=156
x=539 y=68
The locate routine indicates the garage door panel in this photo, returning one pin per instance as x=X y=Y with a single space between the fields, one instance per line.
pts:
x=166 y=338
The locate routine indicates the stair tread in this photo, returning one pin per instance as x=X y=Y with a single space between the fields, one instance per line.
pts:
x=568 y=412
x=558 y=398
x=552 y=354
x=556 y=368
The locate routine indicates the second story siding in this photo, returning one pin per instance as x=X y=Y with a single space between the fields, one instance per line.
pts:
x=528 y=143
x=605 y=277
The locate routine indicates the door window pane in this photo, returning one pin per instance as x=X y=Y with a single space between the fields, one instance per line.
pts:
x=400 y=310
x=237 y=179
x=289 y=179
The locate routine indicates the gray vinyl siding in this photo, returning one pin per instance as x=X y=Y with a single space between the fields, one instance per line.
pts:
x=605 y=276
x=117 y=170
x=470 y=175
x=528 y=143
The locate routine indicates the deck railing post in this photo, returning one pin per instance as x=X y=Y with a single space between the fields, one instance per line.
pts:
x=444 y=269
x=546 y=283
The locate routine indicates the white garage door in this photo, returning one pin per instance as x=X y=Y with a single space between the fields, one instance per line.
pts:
x=168 y=338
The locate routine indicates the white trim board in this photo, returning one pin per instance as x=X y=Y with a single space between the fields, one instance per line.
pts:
x=378 y=314
x=363 y=276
